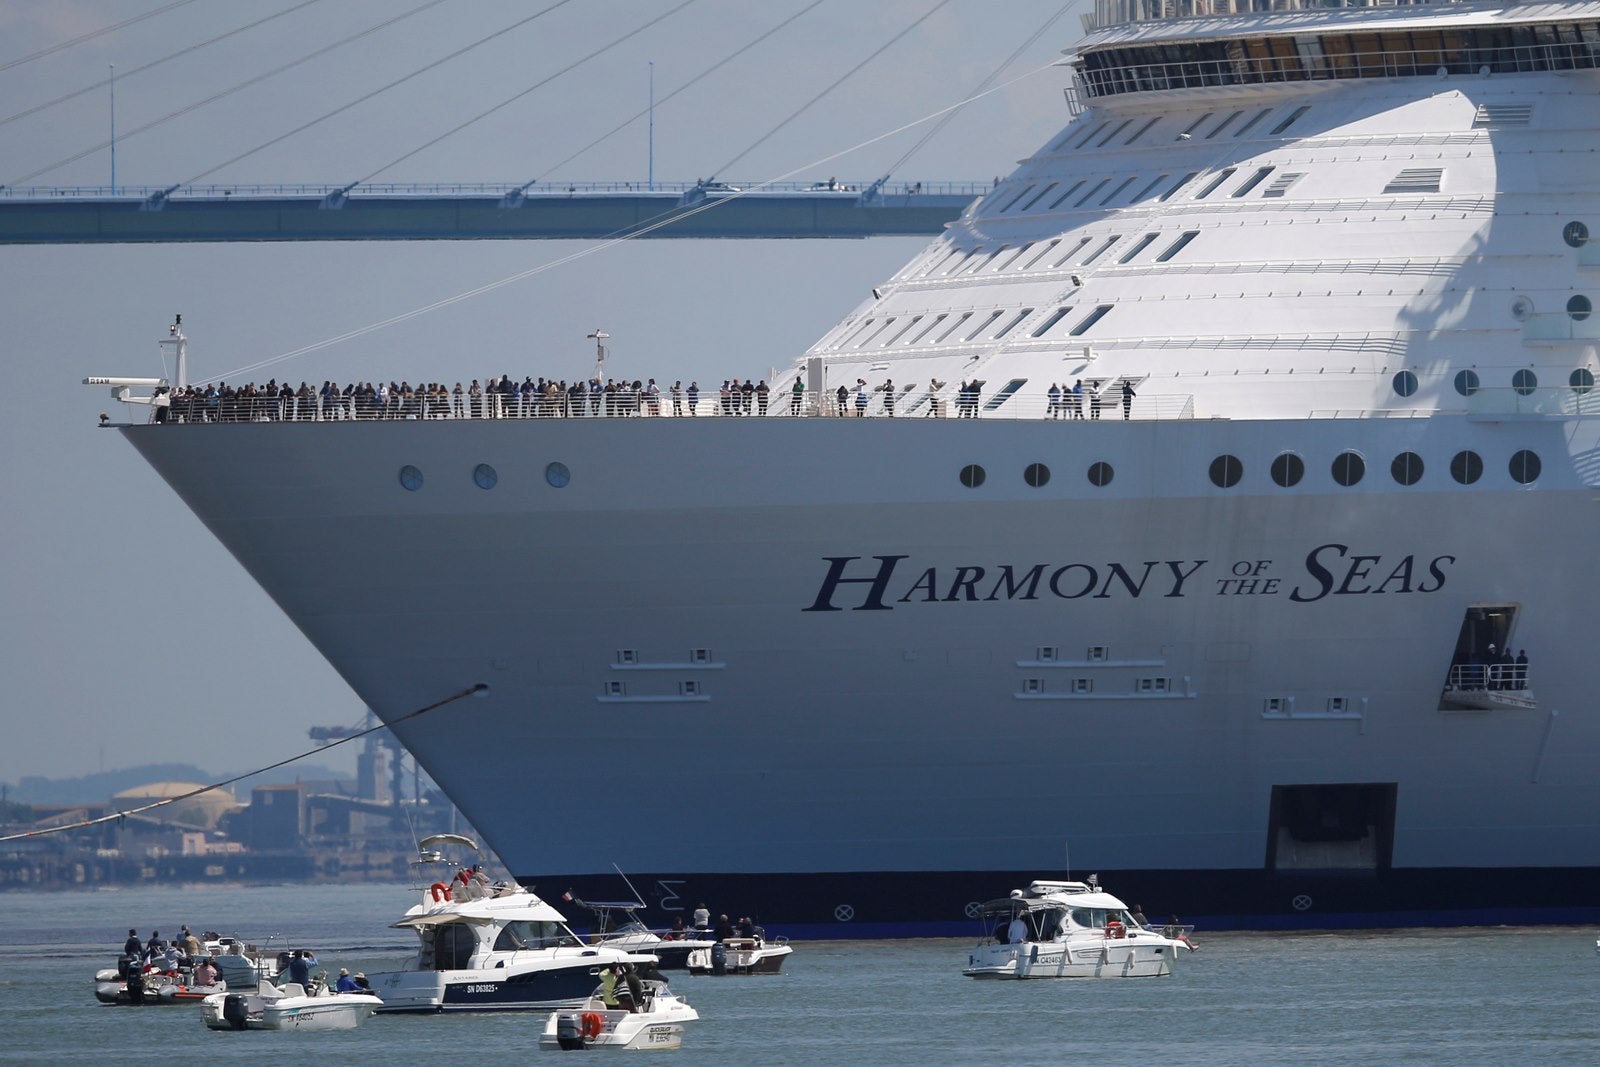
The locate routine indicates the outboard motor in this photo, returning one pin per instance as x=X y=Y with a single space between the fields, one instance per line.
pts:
x=719 y=958
x=136 y=984
x=234 y=1010
x=569 y=1031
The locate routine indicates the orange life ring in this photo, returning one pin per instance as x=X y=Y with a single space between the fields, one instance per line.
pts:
x=591 y=1023
x=440 y=891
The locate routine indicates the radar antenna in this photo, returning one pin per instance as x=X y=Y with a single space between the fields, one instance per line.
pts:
x=599 y=338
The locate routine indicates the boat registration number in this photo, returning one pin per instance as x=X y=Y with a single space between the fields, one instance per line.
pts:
x=473 y=990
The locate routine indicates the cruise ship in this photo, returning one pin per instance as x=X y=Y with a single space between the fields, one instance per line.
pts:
x=1212 y=507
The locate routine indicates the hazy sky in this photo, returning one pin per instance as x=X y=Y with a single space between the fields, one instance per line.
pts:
x=128 y=634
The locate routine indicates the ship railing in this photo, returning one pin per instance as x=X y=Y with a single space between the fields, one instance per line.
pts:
x=914 y=403
x=317 y=191
x=1321 y=63
x=1578 y=398
x=1495 y=677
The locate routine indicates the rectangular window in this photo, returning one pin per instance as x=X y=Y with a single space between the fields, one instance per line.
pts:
x=1013 y=201
x=1040 y=196
x=1177 y=246
x=1043 y=252
x=1046 y=653
x=1113 y=194
x=1092 y=134
x=1212 y=185
x=1083 y=685
x=1074 y=188
x=1032 y=685
x=984 y=326
x=1294 y=116
x=1120 y=127
x=902 y=331
x=615 y=689
x=1098 y=653
x=1139 y=246
x=1254 y=180
x=1082 y=243
x=926 y=330
x=1219 y=127
x=700 y=655
x=1014 y=323
x=1338 y=705
x=1281 y=184
x=1148 y=189
x=1142 y=130
x=627 y=656
x=1181 y=182
x=1093 y=317
x=689 y=689
x=1247 y=127
x=1050 y=323
x=1005 y=393
x=1275 y=706
x=1085 y=198
x=1416 y=180
x=1102 y=250
x=954 y=326
x=1153 y=685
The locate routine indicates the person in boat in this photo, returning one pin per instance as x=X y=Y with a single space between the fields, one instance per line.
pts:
x=1137 y=915
x=205 y=972
x=192 y=948
x=132 y=953
x=361 y=982
x=155 y=949
x=630 y=991
x=346 y=984
x=1017 y=932
x=723 y=929
x=702 y=917
x=677 y=932
x=614 y=991
x=299 y=968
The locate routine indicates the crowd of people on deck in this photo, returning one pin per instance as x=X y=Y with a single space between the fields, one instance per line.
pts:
x=188 y=955
x=504 y=397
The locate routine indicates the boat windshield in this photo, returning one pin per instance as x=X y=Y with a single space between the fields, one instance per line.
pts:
x=532 y=933
x=1096 y=918
x=1117 y=12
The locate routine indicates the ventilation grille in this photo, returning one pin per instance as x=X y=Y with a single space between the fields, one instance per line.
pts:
x=1281 y=184
x=1502 y=115
x=1417 y=180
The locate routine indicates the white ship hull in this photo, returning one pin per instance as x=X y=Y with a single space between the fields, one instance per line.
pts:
x=880 y=649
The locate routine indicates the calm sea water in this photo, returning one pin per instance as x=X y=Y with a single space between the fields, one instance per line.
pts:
x=1446 y=997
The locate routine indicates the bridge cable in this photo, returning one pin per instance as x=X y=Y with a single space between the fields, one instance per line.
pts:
x=837 y=82
x=1001 y=69
x=103 y=82
x=91 y=35
x=479 y=688
x=637 y=115
x=385 y=24
x=640 y=230
x=518 y=96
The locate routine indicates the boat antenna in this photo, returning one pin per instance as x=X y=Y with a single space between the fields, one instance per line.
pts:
x=629 y=884
x=599 y=338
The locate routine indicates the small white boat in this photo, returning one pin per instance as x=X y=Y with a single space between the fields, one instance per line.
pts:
x=618 y=925
x=486 y=946
x=1071 y=930
x=658 y=1024
x=290 y=1007
x=741 y=955
x=152 y=986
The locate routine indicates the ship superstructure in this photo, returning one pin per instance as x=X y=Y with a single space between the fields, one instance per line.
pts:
x=1197 y=484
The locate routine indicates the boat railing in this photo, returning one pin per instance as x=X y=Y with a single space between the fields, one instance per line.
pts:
x=914 y=403
x=1494 y=677
x=1113 y=73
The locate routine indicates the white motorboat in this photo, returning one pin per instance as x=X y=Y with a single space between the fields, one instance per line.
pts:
x=618 y=925
x=657 y=1024
x=1071 y=930
x=291 y=1007
x=752 y=954
x=243 y=965
x=489 y=947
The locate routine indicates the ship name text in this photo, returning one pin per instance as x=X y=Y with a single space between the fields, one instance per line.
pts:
x=1328 y=570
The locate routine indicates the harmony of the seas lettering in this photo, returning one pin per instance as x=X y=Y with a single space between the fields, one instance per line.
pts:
x=1327 y=570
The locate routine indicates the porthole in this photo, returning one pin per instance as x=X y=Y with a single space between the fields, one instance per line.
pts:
x=1524 y=381
x=410 y=478
x=1525 y=466
x=1466 y=467
x=1100 y=474
x=1405 y=383
x=485 y=476
x=1348 y=468
x=1036 y=475
x=1581 y=380
x=557 y=475
x=1579 y=307
x=1288 y=469
x=1466 y=382
x=1226 y=472
x=1575 y=234
x=1407 y=468
x=972 y=476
